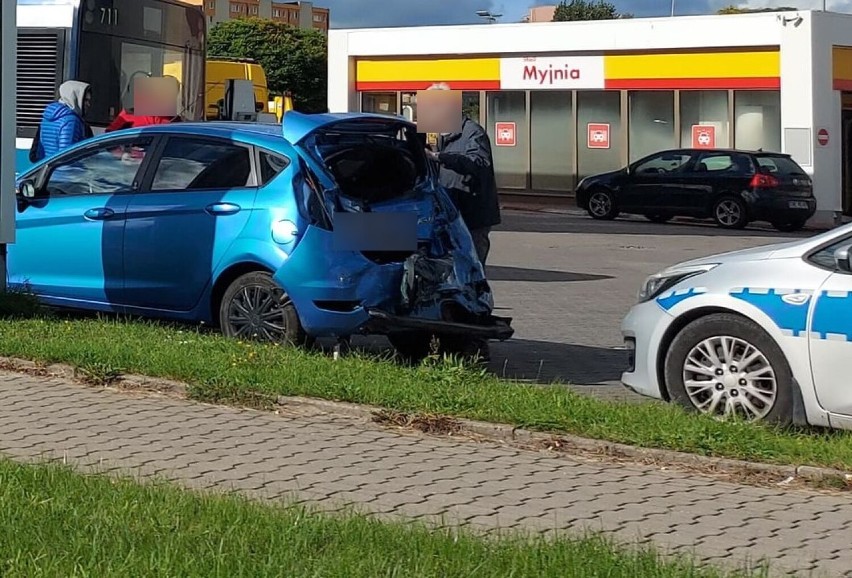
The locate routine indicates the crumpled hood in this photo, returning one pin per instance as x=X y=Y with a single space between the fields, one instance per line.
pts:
x=56 y=111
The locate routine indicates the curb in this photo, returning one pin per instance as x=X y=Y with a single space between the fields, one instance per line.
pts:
x=485 y=430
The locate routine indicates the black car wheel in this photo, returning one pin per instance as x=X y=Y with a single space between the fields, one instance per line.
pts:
x=255 y=307
x=725 y=365
x=730 y=213
x=602 y=205
x=790 y=225
x=658 y=218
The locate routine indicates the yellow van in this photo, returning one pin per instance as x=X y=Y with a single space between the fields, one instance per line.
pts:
x=220 y=69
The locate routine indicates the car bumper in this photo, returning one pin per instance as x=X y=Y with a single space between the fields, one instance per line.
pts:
x=643 y=329
x=782 y=208
x=493 y=328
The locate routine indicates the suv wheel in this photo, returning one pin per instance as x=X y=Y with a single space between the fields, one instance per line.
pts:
x=730 y=213
x=789 y=226
x=255 y=307
x=726 y=365
x=602 y=205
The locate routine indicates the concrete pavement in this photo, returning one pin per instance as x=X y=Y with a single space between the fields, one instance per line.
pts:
x=332 y=460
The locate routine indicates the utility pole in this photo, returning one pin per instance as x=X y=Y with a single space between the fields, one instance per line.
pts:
x=673 y=7
x=8 y=84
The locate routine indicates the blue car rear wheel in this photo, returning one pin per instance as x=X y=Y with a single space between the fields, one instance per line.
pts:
x=255 y=307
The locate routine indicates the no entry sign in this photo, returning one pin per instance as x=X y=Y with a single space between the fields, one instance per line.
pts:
x=822 y=137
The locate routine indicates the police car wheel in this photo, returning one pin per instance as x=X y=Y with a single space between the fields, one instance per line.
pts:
x=725 y=365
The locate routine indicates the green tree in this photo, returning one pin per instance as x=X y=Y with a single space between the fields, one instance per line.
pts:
x=294 y=59
x=572 y=10
x=737 y=10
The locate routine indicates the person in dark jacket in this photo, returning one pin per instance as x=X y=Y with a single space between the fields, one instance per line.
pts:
x=62 y=124
x=467 y=172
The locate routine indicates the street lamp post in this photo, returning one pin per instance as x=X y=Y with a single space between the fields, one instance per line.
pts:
x=673 y=7
x=488 y=16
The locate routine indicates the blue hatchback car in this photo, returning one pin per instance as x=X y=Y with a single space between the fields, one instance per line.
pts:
x=327 y=225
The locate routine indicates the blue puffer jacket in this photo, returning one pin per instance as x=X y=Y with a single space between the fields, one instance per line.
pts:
x=62 y=124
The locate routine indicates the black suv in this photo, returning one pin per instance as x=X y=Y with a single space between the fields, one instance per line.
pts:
x=732 y=187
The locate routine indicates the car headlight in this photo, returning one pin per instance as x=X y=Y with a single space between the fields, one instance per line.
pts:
x=660 y=282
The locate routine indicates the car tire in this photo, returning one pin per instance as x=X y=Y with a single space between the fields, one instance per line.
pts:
x=730 y=213
x=732 y=339
x=789 y=226
x=658 y=218
x=255 y=307
x=602 y=205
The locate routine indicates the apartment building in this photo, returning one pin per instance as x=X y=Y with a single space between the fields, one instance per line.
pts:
x=540 y=14
x=299 y=14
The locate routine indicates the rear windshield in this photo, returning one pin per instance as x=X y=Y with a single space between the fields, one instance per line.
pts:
x=778 y=164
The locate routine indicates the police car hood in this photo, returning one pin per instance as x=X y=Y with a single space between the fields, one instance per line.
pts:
x=775 y=251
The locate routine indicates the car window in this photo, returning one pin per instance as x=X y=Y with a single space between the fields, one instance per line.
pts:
x=825 y=256
x=271 y=165
x=662 y=164
x=106 y=170
x=195 y=164
x=778 y=164
x=727 y=163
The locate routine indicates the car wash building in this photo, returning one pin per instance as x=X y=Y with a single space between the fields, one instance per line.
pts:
x=565 y=100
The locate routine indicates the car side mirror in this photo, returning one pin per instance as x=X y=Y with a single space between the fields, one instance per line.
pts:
x=841 y=259
x=27 y=190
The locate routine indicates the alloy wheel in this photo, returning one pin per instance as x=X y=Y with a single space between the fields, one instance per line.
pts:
x=600 y=204
x=728 y=213
x=257 y=312
x=727 y=376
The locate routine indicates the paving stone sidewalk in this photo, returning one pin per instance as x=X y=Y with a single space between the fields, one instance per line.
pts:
x=335 y=459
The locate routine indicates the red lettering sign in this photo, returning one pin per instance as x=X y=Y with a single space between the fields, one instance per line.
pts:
x=598 y=135
x=703 y=136
x=505 y=134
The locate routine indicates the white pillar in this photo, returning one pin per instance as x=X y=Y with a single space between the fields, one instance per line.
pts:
x=342 y=96
x=8 y=84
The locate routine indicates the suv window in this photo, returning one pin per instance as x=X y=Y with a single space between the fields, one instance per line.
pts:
x=106 y=170
x=271 y=165
x=198 y=164
x=729 y=163
x=778 y=164
x=662 y=163
x=825 y=256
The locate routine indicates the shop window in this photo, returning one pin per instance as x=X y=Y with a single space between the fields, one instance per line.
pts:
x=757 y=120
x=508 y=110
x=704 y=119
x=651 y=122
x=379 y=102
x=470 y=105
x=598 y=132
x=409 y=105
x=551 y=140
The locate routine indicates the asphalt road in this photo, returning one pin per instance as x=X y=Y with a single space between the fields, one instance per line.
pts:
x=567 y=281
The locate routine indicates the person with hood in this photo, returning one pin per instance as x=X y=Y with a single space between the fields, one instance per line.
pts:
x=62 y=124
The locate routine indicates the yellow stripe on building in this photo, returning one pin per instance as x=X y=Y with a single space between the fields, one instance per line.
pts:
x=447 y=70
x=842 y=63
x=693 y=65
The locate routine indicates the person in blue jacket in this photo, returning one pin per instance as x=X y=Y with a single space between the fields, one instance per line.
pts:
x=62 y=124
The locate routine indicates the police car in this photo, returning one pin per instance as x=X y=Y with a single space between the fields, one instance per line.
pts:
x=764 y=333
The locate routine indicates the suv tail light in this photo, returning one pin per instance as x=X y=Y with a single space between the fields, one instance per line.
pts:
x=762 y=181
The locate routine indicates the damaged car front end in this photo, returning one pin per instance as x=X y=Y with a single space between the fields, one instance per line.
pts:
x=382 y=250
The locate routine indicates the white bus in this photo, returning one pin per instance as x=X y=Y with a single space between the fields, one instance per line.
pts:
x=107 y=43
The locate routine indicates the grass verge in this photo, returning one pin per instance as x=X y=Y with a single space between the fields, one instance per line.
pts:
x=220 y=370
x=59 y=523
